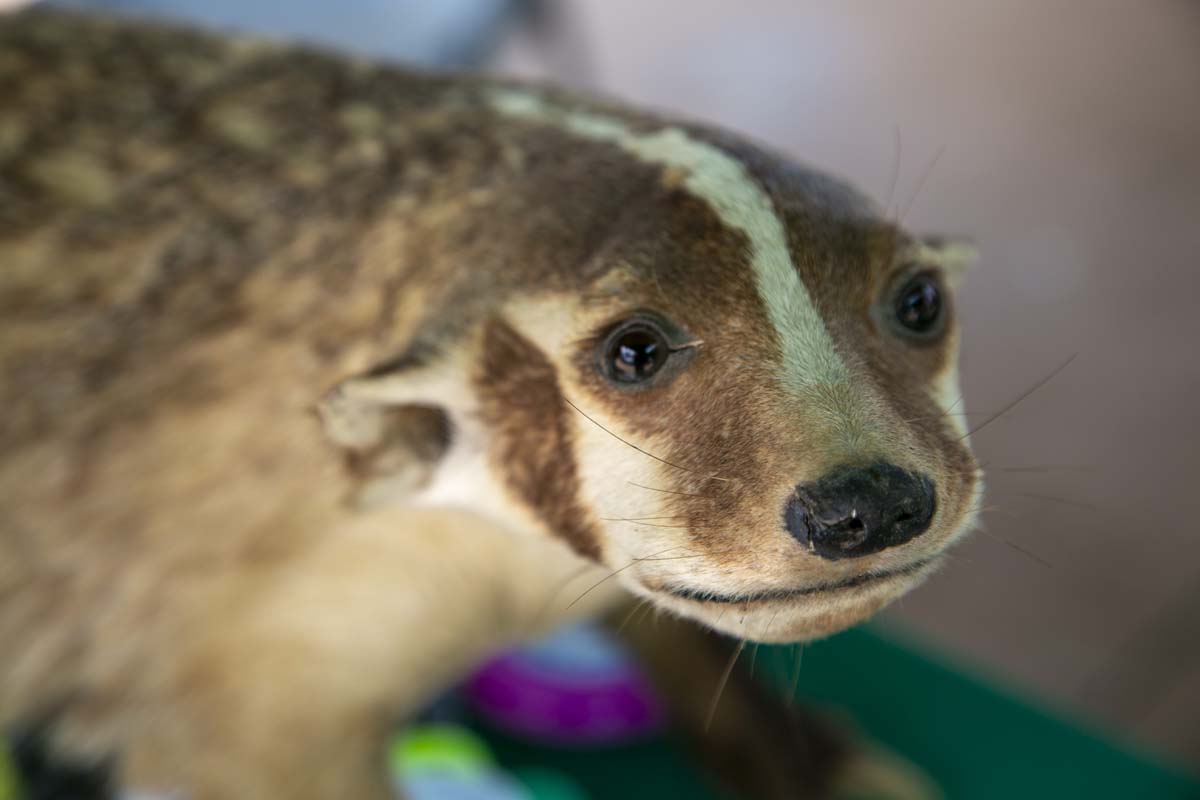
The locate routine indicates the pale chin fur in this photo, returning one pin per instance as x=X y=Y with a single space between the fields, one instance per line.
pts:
x=804 y=617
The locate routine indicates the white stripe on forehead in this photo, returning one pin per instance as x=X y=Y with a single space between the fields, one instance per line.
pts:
x=728 y=188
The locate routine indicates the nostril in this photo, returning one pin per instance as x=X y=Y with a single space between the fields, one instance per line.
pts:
x=847 y=534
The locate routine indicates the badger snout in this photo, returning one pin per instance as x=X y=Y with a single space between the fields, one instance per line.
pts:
x=856 y=511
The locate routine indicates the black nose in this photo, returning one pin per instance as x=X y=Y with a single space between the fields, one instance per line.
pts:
x=856 y=511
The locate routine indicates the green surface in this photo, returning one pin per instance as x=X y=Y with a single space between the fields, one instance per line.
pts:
x=8 y=781
x=976 y=742
x=654 y=769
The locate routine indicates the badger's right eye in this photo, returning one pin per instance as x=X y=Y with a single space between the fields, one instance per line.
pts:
x=634 y=352
x=916 y=308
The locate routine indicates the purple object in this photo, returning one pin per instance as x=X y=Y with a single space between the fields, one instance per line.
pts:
x=576 y=687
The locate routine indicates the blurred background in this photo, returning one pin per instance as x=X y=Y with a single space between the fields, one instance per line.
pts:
x=1062 y=136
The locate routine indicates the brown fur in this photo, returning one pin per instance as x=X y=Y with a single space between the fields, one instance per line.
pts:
x=521 y=402
x=261 y=304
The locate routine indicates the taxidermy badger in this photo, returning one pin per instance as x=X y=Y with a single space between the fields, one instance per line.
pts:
x=322 y=380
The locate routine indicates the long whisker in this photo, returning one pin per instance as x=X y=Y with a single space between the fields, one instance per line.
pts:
x=953 y=405
x=670 y=527
x=1025 y=394
x=796 y=677
x=761 y=634
x=666 y=491
x=634 y=562
x=673 y=558
x=1018 y=548
x=1046 y=468
x=640 y=450
x=629 y=617
x=898 y=148
x=987 y=467
x=616 y=572
x=770 y=622
x=921 y=183
x=944 y=415
x=563 y=584
x=1066 y=501
x=754 y=655
x=712 y=708
x=640 y=519
x=985 y=509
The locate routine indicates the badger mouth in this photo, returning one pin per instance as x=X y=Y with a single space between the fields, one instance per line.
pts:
x=777 y=595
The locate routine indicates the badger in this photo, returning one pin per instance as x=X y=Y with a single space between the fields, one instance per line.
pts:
x=322 y=379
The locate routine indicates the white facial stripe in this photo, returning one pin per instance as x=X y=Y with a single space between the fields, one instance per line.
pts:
x=949 y=398
x=954 y=258
x=725 y=185
x=610 y=472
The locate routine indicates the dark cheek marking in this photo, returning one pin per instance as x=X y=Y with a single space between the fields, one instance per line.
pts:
x=523 y=407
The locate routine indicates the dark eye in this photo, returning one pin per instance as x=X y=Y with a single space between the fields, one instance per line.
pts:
x=634 y=352
x=919 y=304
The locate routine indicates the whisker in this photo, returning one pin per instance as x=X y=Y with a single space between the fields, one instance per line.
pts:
x=1018 y=548
x=650 y=610
x=629 y=617
x=921 y=183
x=771 y=622
x=1046 y=468
x=671 y=527
x=946 y=414
x=666 y=491
x=898 y=148
x=712 y=708
x=616 y=572
x=953 y=405
x=796 y=677
x=640 y=450
x=563 y=584
x=652 y=557
x=1066 y=501
x=991 y=468
x=761 y=634
x=1023 y=395
x=640 y=519
x=672 y=558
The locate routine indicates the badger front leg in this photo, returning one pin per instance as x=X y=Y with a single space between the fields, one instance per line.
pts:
x=284 y=729
x=306 y=667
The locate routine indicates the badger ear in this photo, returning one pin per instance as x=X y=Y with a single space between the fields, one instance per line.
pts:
x=394 y=425
x=955 y=256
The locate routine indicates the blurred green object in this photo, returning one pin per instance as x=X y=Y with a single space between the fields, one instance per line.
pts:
x=8 y=780
x=446 y=748
x=977 y=742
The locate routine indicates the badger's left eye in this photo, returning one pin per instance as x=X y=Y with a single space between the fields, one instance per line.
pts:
x=918 y=304
x=635 y=352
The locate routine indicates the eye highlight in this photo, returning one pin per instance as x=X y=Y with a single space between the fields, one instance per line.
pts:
x=635 y=352
x=918 y=306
